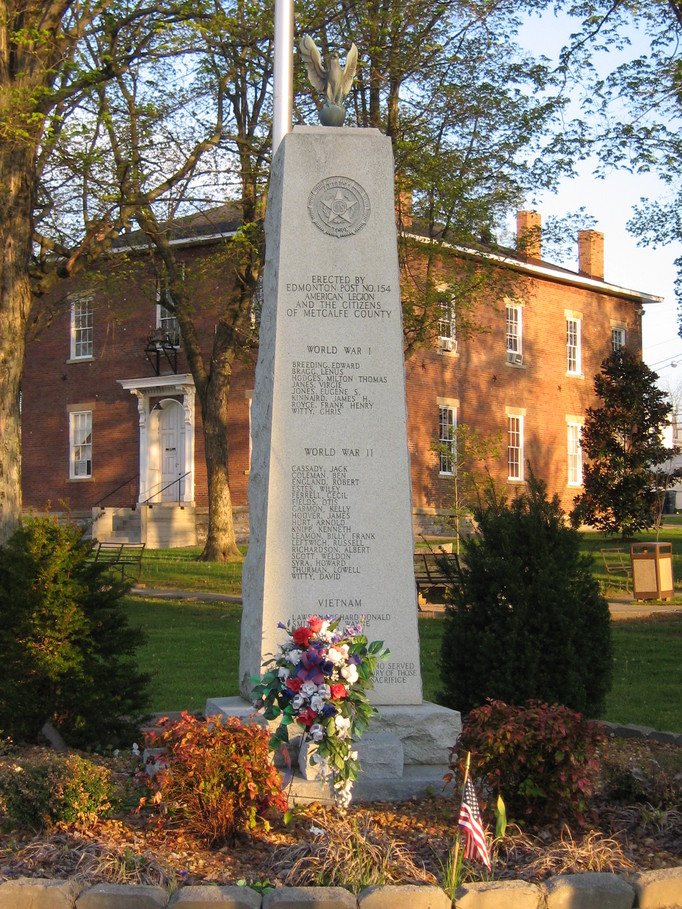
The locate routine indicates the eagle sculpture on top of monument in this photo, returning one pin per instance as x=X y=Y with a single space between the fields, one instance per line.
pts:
x=334 y=82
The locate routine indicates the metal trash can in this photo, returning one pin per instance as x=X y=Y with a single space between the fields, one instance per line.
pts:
x=652 y=571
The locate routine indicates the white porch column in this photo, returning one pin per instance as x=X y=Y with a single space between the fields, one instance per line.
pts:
x=143 y=412
x=189 y=407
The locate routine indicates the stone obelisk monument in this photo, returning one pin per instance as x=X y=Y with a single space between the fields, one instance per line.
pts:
x=330 y=487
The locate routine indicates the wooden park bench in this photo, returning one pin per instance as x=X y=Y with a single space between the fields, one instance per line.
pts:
x=433 y=570
x=618 y=568
x=126 y=556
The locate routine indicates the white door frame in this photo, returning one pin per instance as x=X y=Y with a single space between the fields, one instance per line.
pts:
x=181 y=387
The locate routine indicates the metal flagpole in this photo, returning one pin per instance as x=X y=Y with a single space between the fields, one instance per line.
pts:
x=283 y=71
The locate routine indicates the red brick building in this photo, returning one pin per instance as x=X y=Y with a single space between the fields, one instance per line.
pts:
x=111 y=427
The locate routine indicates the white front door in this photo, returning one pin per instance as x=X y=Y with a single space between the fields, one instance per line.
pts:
x=172 y=451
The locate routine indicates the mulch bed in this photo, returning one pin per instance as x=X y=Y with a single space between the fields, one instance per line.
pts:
x=637 y=825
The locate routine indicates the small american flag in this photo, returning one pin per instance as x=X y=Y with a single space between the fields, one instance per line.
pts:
x=475 y=846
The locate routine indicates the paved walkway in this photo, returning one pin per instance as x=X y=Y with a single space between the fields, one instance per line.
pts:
x=621 y=608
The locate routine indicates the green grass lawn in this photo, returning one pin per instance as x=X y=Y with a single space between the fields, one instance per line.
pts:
x=180 y=569
x=647 y=673
x=192 y=653
x=192 y=650
x=671 y=532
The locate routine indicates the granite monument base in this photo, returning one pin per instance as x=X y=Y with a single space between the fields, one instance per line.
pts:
x=404 y=754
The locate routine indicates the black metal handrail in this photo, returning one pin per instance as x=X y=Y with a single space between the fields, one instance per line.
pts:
x=120 y=486
x=167 y=486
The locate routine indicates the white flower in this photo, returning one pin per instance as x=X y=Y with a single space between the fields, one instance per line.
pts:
x=317 y=732
x=350 y=673
x=344 y=650
x=284 y=673
x=334 y=656
x=316 y=702
x=308 y=689
x=294 y=656
x=323 y=629
x=353 y=755
x=297 y=702
x=324 y=692
x=344 y=793
x=342 y=726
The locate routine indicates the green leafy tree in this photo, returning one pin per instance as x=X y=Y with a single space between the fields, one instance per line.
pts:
x=622 y=440
x=69 y=654
x=55 y=59
x=116 y=114
x=633 y=111
x=526 y=620
x=226 y=72
x=466 y=456
x=477 y=126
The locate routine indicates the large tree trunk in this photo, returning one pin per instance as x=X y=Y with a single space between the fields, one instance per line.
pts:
x=220 y=544
x=16 y=206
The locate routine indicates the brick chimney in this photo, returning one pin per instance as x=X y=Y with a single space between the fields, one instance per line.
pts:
x=591 y=253
x=403 y=207
x=529 y=234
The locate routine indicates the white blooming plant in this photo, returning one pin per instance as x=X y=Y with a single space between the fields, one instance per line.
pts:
x=319 y=682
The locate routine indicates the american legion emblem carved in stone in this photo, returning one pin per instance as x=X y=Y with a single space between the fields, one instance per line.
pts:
x=339 y=206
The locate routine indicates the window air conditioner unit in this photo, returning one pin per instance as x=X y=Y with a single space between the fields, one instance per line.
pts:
x=448 y=344
x=514 y=357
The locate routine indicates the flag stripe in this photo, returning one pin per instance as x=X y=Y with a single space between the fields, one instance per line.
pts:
x=475 y=845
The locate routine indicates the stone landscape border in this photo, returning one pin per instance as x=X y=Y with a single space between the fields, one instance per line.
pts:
x=593 y=890
x=642 y=732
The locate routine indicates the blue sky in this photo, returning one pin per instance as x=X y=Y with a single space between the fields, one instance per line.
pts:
x=610 y=201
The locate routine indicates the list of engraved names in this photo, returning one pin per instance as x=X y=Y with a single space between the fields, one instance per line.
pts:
x=325 y=545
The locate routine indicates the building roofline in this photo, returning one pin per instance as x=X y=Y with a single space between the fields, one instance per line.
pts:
x=549 y=272
x=198 y=240
x=538 y=270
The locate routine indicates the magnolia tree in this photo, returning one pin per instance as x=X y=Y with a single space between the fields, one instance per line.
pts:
x=622 y=438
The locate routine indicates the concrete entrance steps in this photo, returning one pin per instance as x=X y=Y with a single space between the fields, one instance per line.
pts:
x=166 y=526
x=117 y=525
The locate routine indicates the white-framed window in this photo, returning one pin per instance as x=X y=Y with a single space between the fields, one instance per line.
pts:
x=80 y=444
x=447 y=439
x=447 y=336
x=575 y=453
x=515 y=447
x=514 y=334
x=573 y=354
x=81 y=329
x=166 y=321
x=617 y=338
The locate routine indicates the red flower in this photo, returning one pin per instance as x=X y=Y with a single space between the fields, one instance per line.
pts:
x=294 y=684
x=338 y=691
x=307 y=717
x=314 y=623
x=301 y=636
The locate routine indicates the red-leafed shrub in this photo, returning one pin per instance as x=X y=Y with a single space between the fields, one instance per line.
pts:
x=542 y=760
x=214 y=777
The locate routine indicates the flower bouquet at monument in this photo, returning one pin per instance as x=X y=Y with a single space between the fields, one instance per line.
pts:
x=319 y=682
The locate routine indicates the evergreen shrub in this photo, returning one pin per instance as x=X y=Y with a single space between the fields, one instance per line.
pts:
x=68 y=650
x=526 y=618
